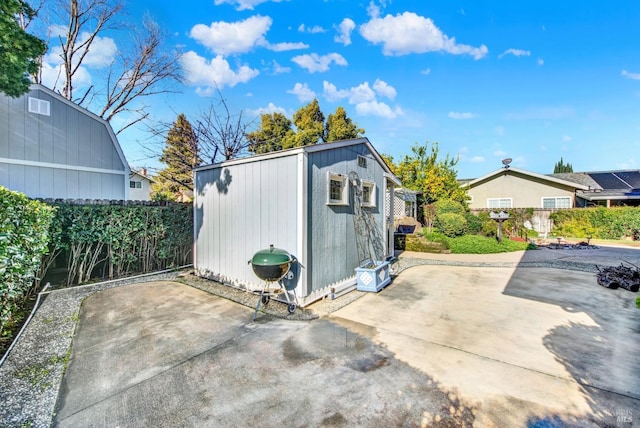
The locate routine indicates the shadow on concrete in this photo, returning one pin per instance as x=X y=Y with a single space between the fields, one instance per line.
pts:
x=601 y=356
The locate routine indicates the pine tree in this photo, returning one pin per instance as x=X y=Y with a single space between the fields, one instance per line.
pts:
x=180 y=154
x=561 y=167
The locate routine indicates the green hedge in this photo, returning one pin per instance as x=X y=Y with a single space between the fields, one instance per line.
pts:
x=24 y=233
x=598 y=222
x=110 y=241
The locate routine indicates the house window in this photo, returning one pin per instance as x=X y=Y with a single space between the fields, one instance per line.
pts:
x=557 y=202
x=499 y=203
x=135 y=184
x=368 y=194
x=337 y=192
x=362 y=161
x=39 y=106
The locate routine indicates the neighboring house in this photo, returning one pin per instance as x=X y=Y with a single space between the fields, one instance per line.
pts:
x=140 y=186
x=606 y=188
x=511 y=187
x=302 y=200
x=53 y=148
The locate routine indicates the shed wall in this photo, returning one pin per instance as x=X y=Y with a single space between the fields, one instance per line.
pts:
x=333 y=253
x=67 y=154
x=240 y=209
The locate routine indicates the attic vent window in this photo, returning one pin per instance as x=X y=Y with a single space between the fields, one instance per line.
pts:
x=337 y=190
x=39 y=106
x=362 y=161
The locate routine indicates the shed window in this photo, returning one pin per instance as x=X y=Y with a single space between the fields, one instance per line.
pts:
x=368 y=194
x=135 y=184
x=337 y=192
x=557 y=202
x=39 y=106
x=499 y=203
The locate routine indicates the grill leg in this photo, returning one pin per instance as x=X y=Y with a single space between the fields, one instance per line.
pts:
x=259 y=301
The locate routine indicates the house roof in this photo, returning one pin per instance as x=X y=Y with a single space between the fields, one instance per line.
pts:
x=112 y=135
x=310 y=149
x=133 y=172
x=503 y=171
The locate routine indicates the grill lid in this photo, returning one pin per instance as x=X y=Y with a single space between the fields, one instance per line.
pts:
x=271 y=257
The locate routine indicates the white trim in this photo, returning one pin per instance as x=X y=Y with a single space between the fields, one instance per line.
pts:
x=500 y=199
x=63 y=166
x=302 y=213
x=555 y=198
x=372 y=194
x=344 y=199
x=39 y=106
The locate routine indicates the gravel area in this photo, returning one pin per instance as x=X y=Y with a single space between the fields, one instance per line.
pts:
x=32 y=371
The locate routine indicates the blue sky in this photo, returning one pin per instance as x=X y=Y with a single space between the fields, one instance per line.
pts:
x=487 y=80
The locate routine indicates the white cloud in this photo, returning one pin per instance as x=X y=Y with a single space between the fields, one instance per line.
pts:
x=499 y=130
x=477 y=159
x=375 y=108
x=226 y=38
x=102 y=53
x=279 y=69
x=316 y=29
x=365 y=98
x=303 y=92
x=53 y=76
x=344 y=32
x=426 y=72
x=456 y=115
x=540 y=62
x=628 y=75
x=331 y=93
x=514 y=52
x=384 y=89
x=410 y=33
x=566 y=138
x=316 y=63
x=212 y=74
x=270 y=109
x=500 y=153
x=285 y=46
x=244 y=4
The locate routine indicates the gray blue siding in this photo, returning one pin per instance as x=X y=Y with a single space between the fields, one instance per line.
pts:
x=333 y=252
x=69 y=154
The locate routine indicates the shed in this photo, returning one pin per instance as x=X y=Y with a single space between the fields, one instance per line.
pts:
x=325 y=204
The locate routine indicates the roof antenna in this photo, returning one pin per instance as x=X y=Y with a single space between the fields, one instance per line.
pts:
x=506 y=162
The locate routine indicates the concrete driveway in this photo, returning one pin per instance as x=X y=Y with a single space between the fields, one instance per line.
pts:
x=441 y=346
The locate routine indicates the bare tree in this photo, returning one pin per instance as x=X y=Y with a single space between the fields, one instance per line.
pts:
x=143 y=72
x=139 y=70
x=220 y=132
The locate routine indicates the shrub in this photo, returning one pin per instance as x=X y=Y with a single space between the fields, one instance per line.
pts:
x=475 y=244
x=598 y=222
x=474 y=224
x=451 y=224
x=24 y=232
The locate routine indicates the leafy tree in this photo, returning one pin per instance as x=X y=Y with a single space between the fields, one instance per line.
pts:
x=309 y=122
x=562 y=167
x=341 y=127
x=19 y=50
x=274 y=130
x=435 y=178
x=180 y=154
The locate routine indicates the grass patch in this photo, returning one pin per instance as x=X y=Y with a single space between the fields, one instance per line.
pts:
x=476 y=244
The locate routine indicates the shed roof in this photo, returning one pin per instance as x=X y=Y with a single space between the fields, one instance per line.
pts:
x=309 y=149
